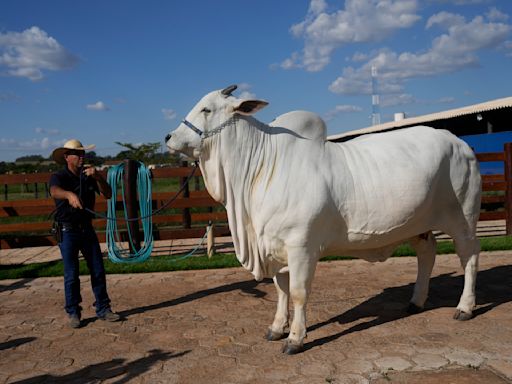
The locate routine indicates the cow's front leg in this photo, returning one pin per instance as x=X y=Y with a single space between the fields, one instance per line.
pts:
x=302 y=269
x=282 y=284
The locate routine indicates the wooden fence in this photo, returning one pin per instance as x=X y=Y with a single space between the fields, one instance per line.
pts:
x=196 y=207
x=497 y=188
x=185 y=218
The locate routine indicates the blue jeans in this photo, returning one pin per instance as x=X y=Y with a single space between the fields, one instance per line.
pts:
x=86 y=241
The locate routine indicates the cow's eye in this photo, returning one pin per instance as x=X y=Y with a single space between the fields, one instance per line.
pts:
x=205 y=110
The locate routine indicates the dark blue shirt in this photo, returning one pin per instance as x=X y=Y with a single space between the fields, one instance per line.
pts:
x=84 y=187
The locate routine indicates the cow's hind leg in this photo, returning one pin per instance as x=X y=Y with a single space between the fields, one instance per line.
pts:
x=425 y=247
x=468 y=249
x=302 y=269
x=276 y=330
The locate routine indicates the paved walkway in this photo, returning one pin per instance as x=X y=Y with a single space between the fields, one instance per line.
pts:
x=208 y=327
x=31 y=255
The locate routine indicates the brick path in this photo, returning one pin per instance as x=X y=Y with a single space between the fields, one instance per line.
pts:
x=208 y=327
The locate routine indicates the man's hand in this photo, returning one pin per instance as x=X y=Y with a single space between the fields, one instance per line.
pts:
x=103 y=186
x=59 y=193
x=73 y=200
x=90 y=171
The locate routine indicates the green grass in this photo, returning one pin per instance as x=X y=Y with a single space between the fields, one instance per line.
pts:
x=153 y=264
x=174 y=263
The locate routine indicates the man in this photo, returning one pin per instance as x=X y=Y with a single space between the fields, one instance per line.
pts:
x=74 y=189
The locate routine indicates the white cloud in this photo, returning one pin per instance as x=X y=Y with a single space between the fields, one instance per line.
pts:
x=341 y=109
x=45 y=143
x=446 y=100
x=9 y=96
x=449 y=52
x=28 y=53
x=98 y=106
x=462 y=2
x=394 y=100
x=359 y=56
x=360 y=21
x=46 y=131
x=245 y=92
x=168 y=113
x=445 y=20
x=507 y=46
x=33 y=145
x=495 y=14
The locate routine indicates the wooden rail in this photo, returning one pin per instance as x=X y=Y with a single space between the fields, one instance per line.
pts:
x=186 y=217
x=500 y=184
x=189 y=213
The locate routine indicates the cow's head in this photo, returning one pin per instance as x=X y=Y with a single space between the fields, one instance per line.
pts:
x=212 y=111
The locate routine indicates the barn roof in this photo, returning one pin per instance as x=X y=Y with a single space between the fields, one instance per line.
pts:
x=491 y=116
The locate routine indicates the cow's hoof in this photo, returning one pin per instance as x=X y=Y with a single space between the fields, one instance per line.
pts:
x=292 y=349
x=413 y=309
x=273 y=336
x=462 y=316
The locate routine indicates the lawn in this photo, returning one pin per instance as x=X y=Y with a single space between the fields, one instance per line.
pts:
x=177 y=263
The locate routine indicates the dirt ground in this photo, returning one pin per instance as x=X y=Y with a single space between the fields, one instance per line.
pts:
x=208 y=327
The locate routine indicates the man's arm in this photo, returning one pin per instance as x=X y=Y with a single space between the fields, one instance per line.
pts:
x=61 y=194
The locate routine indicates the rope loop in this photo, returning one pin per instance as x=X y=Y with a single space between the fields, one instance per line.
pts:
x=116 y=252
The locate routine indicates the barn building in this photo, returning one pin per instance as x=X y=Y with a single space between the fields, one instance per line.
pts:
x=489 y=117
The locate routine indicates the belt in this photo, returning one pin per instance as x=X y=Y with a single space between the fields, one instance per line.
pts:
x=66 y=227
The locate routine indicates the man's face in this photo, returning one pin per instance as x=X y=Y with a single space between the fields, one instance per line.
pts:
x=75 y=158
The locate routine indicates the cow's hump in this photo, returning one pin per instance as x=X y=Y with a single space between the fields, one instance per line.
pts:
x=306 y=124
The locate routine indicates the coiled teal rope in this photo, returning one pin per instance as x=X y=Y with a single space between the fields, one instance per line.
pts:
x=116 y=252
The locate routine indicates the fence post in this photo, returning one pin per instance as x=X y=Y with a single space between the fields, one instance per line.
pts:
x=187 y=220
x=210 y=240
x=6 y=193
x=508 y=192
x=130 y=191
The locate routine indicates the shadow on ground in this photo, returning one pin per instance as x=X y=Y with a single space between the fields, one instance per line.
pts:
x=248 y=287
x=116 y=368
x=16 y=342
x=494 y=287
x=16 y=285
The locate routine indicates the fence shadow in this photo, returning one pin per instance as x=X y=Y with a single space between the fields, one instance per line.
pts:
x=249 y=287
x=116 y=371
x=494 y=287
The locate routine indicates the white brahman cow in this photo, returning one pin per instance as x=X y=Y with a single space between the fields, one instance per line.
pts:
x=292 y=197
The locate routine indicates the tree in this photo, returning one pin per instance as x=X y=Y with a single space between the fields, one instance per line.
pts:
x=147 y=153
x=141 y=152
x=94 y=159
x=31 y=158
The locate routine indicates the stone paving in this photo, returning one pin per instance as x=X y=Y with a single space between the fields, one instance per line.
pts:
x=208 y=327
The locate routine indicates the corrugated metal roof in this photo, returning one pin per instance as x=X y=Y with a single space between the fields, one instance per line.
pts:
x=476 y=108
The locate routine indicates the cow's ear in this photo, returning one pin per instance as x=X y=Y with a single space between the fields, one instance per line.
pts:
x=249 y=107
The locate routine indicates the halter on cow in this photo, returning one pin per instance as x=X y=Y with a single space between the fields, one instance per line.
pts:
x=292 y=197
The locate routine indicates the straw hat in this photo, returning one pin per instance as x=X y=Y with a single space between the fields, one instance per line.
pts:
x=73 y=144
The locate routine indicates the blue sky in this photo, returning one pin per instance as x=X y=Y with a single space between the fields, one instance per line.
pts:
x=106 y=71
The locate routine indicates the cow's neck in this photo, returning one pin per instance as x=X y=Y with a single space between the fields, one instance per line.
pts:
x=229 y=160
x=233 y=163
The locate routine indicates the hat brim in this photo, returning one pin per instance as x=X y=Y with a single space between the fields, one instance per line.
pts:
x=58 y=154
